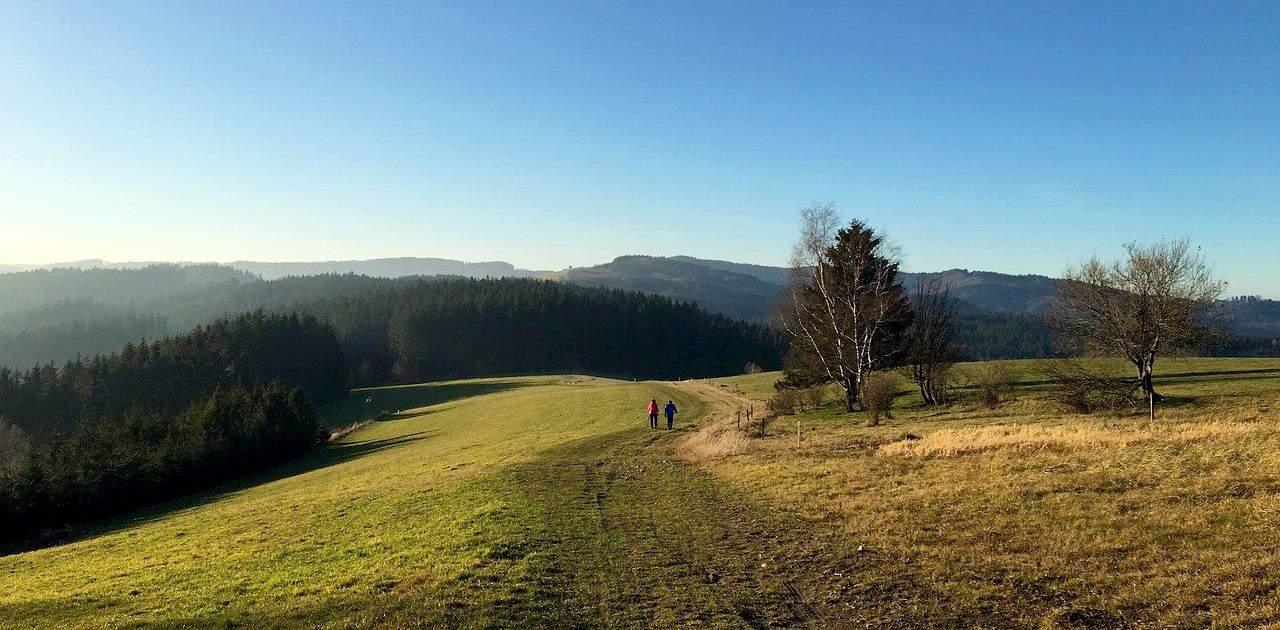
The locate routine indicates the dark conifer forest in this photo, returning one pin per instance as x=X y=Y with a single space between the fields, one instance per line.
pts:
x=416 y=329
x=96 y=420
x=162 y=419
x=159 y=419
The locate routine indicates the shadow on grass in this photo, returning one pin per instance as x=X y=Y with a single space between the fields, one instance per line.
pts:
x=1170 y=378
x=389 y=403
x=395 y=398
x=324 y=457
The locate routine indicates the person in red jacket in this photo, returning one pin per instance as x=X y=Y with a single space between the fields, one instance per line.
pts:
x=653 y=413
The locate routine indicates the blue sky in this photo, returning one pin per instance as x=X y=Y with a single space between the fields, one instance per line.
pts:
x=1013 y=137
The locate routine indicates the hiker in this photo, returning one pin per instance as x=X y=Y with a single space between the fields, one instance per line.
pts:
x=671 y=414
x=653 y=413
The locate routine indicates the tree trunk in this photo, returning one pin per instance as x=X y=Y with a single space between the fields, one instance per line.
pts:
x=1149 y=389
x=850 y=394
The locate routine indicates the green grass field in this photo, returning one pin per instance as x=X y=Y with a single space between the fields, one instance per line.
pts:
x=547 y=501
x=488 y=503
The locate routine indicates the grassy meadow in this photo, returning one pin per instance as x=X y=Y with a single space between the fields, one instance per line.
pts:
x=548 y=502
x=1030 y=515
x=488 y=503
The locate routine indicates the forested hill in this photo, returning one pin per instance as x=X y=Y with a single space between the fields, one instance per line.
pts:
x=179 y=414
x=1001 y=315
x=153 y=421
x=717 y=289
x=427 y=328
x=55 y=315
x=113 y=287
x=386 y=268
x=751 y=291
x=379 y=267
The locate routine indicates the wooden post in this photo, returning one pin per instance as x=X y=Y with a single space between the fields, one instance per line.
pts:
x=797 y=433
x=737 y=418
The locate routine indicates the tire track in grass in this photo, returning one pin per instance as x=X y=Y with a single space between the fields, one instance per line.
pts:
x=647 y=540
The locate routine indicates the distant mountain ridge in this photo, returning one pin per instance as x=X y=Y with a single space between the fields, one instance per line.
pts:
x=750 y=291
x=712 y=286
x=376 y=267
x=732 y=287
x=387 y=268
x=740 y=290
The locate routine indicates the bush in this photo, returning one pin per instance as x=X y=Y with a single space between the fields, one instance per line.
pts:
x=813 y=396
x=994 y=382
x=751 y=368
x=878 y=391
x=938 y=383
x=783 y=403
x=1083 y=391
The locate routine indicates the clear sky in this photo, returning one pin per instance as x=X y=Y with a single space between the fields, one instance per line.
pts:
x=1012 y=137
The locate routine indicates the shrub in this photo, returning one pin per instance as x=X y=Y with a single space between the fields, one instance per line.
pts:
x=877 y=395
x=751 y=368
x=1083 y=391
x=783 y=403
x=938 y=384
x=994 y=382
x=813 y=396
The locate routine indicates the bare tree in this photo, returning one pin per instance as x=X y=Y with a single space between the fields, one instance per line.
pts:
x=1160 y=299
x=843 y=305
x=933 y=339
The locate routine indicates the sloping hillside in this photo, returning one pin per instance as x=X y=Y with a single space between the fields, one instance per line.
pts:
x=996 y=302
x=549 y=502
x=992 y=292
x=738 y=289
x=529 y=502
x=717 y=289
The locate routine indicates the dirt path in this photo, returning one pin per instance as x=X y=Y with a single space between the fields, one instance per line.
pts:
x=638 y=535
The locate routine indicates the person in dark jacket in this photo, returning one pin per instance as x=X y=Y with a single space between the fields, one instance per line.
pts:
x=671 y=414
x=653 y=413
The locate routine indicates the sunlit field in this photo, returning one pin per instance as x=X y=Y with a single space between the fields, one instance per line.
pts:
x=1030 y=515
x=543 y=501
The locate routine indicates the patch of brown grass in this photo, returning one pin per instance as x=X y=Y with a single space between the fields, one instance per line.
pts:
x=716 y=440
x=1046 y=519
x=1062 y=438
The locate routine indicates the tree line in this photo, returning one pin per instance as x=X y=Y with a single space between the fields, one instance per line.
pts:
x=160 y=300
x=119 y=462
x=116 y=287
x=432 y=329
x=851 y=322
x=161 y=419
x=167 y=375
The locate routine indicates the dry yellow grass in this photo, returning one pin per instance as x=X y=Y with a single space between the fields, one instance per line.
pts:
x=720 y=436
x=1063 y=438
x=1028 y=516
